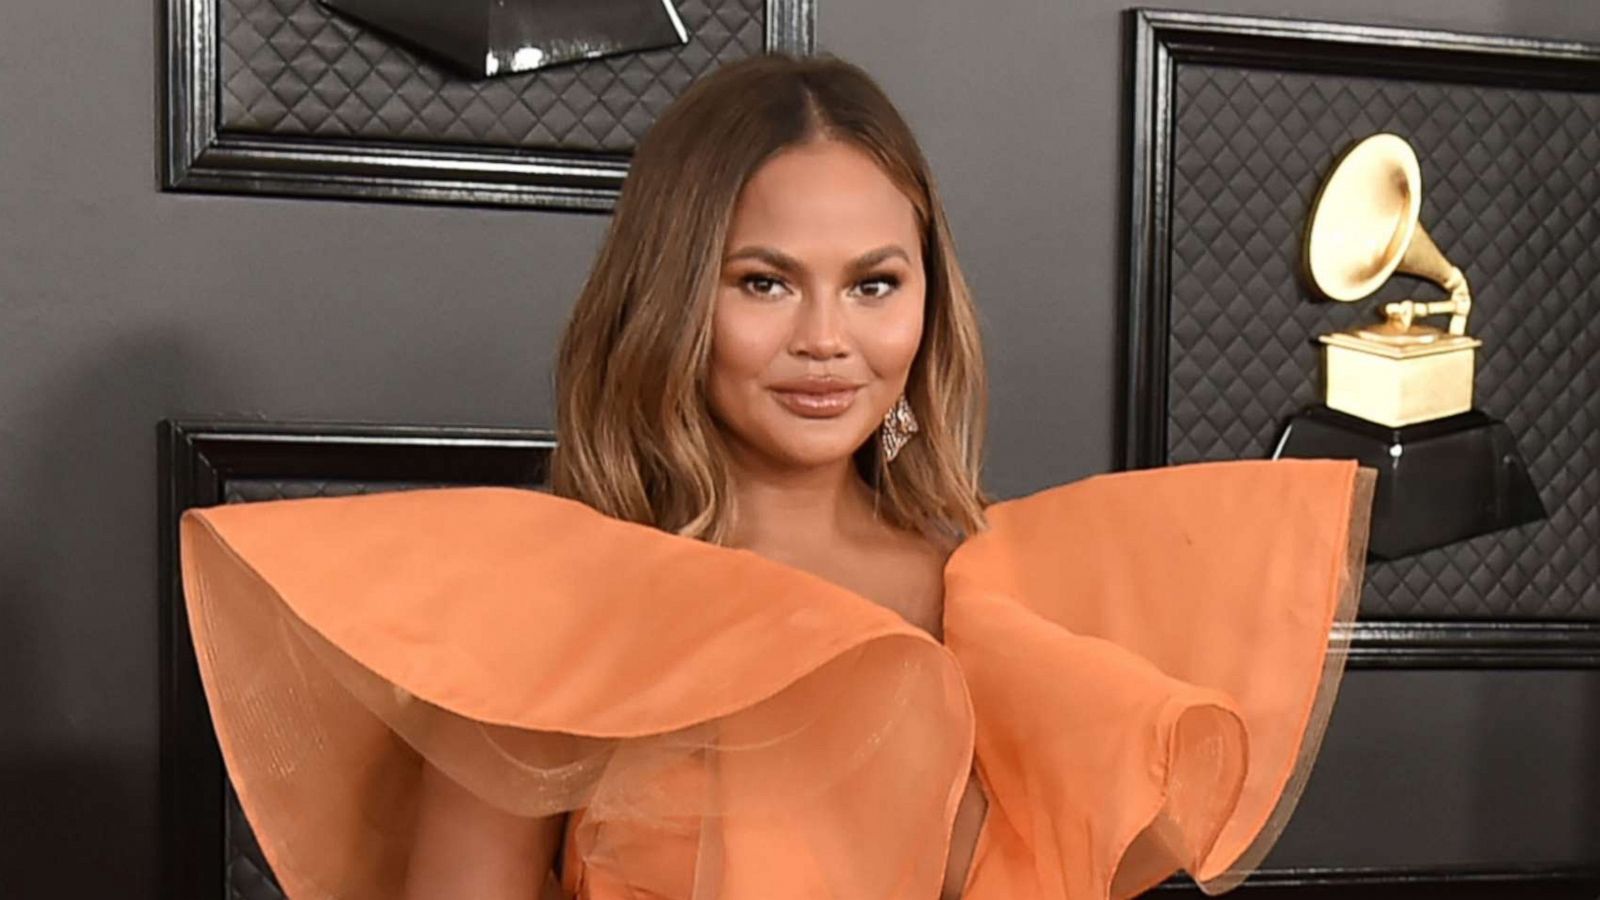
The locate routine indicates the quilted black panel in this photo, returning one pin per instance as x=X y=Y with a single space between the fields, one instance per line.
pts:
x=249 y=877
x=1511 y=189
x=292 y=68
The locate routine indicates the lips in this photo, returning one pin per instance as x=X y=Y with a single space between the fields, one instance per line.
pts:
x=816 y=398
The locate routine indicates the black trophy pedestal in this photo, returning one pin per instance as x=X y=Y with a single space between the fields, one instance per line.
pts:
x=1438 y=482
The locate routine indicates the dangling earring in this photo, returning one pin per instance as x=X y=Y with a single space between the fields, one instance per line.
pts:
x=899 y=424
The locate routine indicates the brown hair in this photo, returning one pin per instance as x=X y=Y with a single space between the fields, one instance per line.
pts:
x=636 y=436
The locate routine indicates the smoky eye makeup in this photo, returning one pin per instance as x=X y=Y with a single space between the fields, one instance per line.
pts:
x=874 y=286
x=887 y=283
x=759 y=284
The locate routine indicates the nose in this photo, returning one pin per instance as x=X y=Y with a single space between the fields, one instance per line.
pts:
x=819 y=328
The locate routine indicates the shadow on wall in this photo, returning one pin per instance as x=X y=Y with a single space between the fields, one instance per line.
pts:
x=63 y=806
x=1549 y=19
x=1560 y=731
x=1590 y=815
x=78 y=611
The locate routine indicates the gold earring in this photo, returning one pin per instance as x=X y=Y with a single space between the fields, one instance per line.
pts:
x=899 y=424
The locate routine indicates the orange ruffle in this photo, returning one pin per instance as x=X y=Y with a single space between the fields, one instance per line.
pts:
x=1140 y=663
x=1153 y=657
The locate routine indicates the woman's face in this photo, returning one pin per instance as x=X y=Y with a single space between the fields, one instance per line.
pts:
x=818 y=313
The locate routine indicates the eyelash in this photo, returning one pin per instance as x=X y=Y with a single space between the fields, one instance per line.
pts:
x=890 y=281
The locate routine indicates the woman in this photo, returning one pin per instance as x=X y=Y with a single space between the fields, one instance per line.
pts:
x=783 y=301
x=768 y=641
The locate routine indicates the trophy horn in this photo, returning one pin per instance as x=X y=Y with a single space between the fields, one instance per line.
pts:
x=1365 y=227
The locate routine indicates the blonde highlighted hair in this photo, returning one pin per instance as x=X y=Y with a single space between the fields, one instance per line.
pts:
x=636 y=439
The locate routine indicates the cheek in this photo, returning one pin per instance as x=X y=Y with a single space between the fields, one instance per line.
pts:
x=745 y=339
x=891 y=344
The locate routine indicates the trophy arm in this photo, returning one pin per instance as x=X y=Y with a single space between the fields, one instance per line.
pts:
x=1458 y=306
x=1460 y=302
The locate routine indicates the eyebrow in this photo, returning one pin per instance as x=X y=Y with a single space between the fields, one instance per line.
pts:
x=784 y=262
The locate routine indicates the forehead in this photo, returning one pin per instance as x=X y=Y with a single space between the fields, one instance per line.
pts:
x=823 y=192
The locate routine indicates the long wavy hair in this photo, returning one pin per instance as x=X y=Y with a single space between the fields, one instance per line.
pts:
x=636 y=438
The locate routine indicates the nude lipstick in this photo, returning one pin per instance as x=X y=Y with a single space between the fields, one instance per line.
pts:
x=816 y=398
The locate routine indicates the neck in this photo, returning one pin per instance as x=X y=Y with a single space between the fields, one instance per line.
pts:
x=781 y=510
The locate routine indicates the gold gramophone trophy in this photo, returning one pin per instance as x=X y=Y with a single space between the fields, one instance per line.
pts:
x=1398 y=393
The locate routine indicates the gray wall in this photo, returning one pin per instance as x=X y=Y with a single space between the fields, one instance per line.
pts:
x=120 y=305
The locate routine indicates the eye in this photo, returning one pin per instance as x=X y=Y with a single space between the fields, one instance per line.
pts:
x=878 y=286
x=761 y=285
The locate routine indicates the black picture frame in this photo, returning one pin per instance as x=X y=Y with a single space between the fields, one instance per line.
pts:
x=197 y=460
x=197 y=155
x=1159 y=40
x=200 y=457
x=1402 y=884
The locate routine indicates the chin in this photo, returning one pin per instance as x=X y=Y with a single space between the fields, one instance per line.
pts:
x=812 y=450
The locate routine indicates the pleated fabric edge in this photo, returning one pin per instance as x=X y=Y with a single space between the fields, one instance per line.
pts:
x=1348 y=577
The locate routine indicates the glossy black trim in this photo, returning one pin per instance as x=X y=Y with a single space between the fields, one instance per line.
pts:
x=197 y=156
x=1475 y=645
x=196 y=460
x=1156 y=42
x=1511 y=883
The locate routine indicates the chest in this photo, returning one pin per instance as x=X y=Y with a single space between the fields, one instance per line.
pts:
x=911 y=585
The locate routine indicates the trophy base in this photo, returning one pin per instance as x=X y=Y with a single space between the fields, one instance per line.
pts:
x=1398 y=384
x=1440 y=481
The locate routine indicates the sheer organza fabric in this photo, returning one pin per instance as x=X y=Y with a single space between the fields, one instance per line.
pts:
x=1139 y=664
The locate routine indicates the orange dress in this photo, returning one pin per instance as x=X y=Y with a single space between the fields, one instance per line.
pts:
x=1139 y=664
